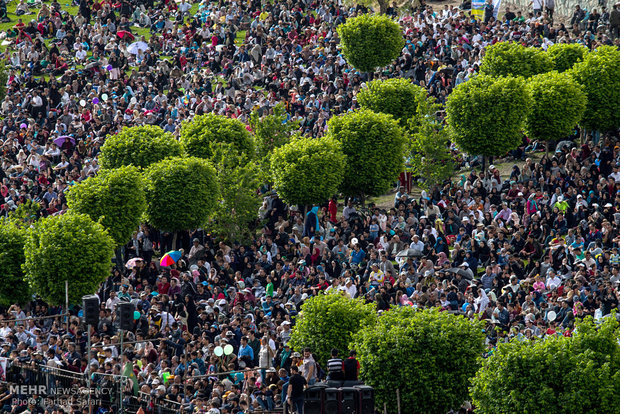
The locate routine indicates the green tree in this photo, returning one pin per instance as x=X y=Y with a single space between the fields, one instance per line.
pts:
x=239 y=201
x=329 y=321
x=115 y=198
x=398 y=97
x=428 y=355
x=307 y=170
x=558 y=105
x=198 y=134
x=139 y=146
x=13 y=289
x=486 y=116
x=370 y=41
x=70 y=247
x=181 y=193
x=565 y=55
x=514 y=59
x=4 y=76
x=273 y=130
x=429 y=147
x=599 y=74
x=26 y=212
x=578 y=374
x=373 y=144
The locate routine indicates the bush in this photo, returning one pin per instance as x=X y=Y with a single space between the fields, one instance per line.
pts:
x=198 y=134
x=577 y=374
x=486 y=116
x=139 y=146
x=565 y=55
x=116 y=197
x=329 y=321
x=181 y=193
x=514 y=59
x=558 y=105
x=67 y=247
x=398 y=97
x=374 y=148
x=370 y=41
x=428 y=355
x=307 y=171
x=599 y=74
x=13 y=289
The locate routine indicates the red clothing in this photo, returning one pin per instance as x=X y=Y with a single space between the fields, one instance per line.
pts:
x=332 y=208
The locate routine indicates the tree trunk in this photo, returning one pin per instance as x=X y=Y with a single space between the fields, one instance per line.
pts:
x=174 y=240
x=383 y=6
x=484 y=159
x=547 y=148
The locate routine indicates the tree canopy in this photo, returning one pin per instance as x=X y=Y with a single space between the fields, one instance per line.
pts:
x=198 y=134
x=116 y=197
x=514 y=59
x=308 y=171
x=428 y=355
x=181 y=193
x=139 y=146
x=486 y=116
x=577 y=374
x=370 y=41
x=329 y=321
x=398 y=97
x=13 y=289
x=565 y=55
x=67 y=247
x=599 y=74
x=558 y=105
x=239 y=201
x=373 y=144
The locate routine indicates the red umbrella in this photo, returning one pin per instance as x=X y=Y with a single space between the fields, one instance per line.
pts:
x=123 y=33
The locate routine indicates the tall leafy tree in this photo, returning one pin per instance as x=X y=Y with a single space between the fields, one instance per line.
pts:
x=181 y=193
x=398 y=97
x=558 y=105
x=486 y=116
x=599 y=74
x=370 y=41
x=565 y=55
x=429 y=356
x=514 y=59
x=70 y=247
x=139 y=146
x=374 y=146
x=578 y=374
x=113 y=197
x=13 y=289
x=198 y=134
x=429 y=155
x=329 y=321
x=273 y=130
x=239 y=201
x=308 y=171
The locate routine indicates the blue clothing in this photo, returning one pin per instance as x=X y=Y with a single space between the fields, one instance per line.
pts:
x=246 y=351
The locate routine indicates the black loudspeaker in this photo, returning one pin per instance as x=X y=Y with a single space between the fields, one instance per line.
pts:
x=350 y=400
x=125 y=315
x=90 y=308
x=332 y=401
x=367 y=399
x=313 y=399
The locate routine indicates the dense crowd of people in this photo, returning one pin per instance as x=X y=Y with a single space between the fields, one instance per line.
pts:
x=531 y=250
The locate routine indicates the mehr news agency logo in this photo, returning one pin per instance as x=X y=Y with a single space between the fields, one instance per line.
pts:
x=37 y=394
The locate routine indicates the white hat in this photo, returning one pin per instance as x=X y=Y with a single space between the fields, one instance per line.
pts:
x=354 y=241
x=221 y=302
x=285 y=323
x=465 y=264
x=551 y=315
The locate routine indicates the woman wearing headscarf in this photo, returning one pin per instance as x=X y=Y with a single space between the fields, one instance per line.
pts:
x=311 y=225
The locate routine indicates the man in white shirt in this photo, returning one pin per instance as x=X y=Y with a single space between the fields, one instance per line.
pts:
x=112 y=301
x=416 y=244
x=553 y=281
x=350 y=288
